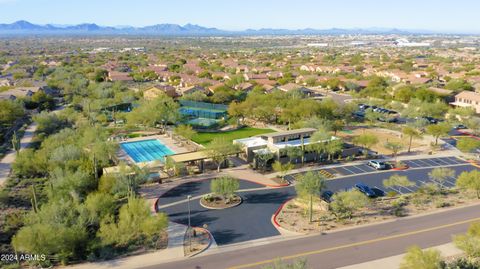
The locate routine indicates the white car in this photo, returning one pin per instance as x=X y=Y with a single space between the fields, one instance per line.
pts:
x=377 y=165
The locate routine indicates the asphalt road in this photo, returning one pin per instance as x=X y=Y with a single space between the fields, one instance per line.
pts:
x=248 y=221
x=343 y=248
x=252 y=219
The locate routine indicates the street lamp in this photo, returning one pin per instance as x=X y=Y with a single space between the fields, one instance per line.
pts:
x=189 y=223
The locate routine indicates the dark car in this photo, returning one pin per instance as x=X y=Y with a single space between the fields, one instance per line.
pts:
x=363 y=106
x=431 y=120
x=378 y=192
x=327 y=196
x=365 y=189
x=460 y=126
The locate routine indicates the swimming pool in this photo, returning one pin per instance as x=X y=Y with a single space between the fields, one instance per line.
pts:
x=146 y=150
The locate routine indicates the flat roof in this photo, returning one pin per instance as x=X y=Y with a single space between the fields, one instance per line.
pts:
x=290 y=132
x=252 y=141
x=189 y=156
x=298 y=142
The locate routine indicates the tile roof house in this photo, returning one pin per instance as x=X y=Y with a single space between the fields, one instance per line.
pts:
x=196 y=88
x=158 y=90
x=246 y=86
x=467 y=99
x=119 y=76
x=264 y=82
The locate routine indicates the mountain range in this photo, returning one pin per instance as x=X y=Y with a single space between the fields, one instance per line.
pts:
x=26 y=28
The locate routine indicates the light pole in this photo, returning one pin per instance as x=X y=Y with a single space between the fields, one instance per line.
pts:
x=189 y=225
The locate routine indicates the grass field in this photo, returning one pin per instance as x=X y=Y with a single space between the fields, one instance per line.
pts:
x=205 y=138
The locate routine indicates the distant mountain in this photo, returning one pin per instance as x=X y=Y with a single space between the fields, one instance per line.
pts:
x=24 y=27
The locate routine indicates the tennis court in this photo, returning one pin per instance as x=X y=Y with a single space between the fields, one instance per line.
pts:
x=146 y=150
x=203 y=122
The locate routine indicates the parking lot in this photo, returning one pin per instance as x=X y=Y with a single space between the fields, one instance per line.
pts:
x=252 y=219
x=418 y=176
x=364 y=168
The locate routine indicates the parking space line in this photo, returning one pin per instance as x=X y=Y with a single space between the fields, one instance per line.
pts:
x=369 y=167
x=355 y=168
x=336 y=171
x=455 y=160
x=411 y=163
x=430 y=162
x=452 y=181
x=344 y=171
x=352 y=173
x=421 y=161
x=398 y=191
x=449 y=160
x=442 y=161
x=360 y=168
x=410 y=190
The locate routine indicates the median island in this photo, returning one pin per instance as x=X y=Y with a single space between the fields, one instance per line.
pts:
x=222 y=194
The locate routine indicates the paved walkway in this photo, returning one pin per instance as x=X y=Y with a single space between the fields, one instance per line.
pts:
x=174 y=250
x=393 y=262
x=6 y=162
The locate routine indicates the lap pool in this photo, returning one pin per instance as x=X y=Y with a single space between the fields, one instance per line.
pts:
x=146 y=150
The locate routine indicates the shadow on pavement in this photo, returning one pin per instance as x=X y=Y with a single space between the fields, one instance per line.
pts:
x=223 y=237
x=183 y=189
x=277 y=197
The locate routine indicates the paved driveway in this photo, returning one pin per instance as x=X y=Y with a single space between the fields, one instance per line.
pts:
x=252 y=219
x=248 y=221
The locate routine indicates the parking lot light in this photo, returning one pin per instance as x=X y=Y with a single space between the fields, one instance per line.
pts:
x=189 y=197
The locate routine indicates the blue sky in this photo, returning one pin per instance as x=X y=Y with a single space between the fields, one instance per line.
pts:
x=440 y=15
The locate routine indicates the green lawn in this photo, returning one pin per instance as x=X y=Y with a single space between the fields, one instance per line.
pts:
x=205 y=138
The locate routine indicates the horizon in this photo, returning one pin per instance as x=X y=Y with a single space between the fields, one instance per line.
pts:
x=437 y=16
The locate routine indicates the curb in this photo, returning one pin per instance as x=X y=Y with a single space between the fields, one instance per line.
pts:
x=274 y=217
x=469 y=134
x=267 y=185
x=210 y=241
x=400 y=168
x=283 y=231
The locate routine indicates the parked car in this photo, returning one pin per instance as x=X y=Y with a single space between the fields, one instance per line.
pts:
x=378 y=192
x=327 y=196
x=378 y=165
x=365 y=189
x=430 y=120
x=363 y=106
x=459 y=126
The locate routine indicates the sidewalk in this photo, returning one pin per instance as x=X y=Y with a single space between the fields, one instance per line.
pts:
x=174 y=250
x=6 y=162
x=393 y=262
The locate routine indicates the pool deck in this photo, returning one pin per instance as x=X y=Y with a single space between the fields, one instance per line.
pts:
x=164 y=139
